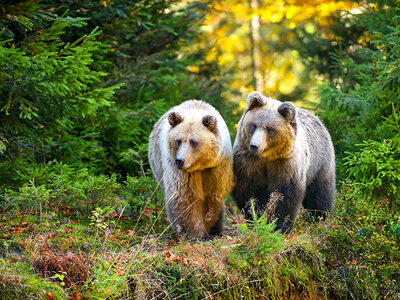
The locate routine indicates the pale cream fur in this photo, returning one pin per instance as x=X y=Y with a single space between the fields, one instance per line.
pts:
x=196 y=193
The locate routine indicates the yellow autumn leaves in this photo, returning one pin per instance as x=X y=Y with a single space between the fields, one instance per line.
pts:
x=247 y=39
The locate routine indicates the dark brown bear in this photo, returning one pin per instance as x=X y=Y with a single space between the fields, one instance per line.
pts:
x=280 y=148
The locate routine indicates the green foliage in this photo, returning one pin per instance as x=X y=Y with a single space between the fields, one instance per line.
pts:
x=363 y=94
x=101 y=191
x=268 y=240
x=29 y=196
x=84 y=82
x=50 y=87
x=260 y=240
x=141 y=192
x=62 y=187
x=360 y=106
x=98 y=218
x=364 y=248
x=375 y=169
x=104 y=282
x=19 y=281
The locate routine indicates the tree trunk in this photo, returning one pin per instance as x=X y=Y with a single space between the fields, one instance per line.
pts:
x=257 y=78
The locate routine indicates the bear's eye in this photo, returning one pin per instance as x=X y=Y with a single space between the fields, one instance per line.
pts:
x=178 y=142
x=194 y=144
x=253 y=127
x=270 y=129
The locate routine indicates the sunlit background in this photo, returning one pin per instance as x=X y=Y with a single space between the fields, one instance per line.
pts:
x=257 y=45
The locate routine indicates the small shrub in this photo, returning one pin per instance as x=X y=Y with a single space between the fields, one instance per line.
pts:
x=99 y=221
x=375 y=169
x=63 y=188
x=259 y=239
x=141 y=192
x=100 y=191
x=30 y=197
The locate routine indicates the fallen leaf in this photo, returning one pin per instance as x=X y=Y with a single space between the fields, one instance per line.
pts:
x=362 y=267
x=195 y=263
x=51 y=295
x=351 y=262
x=169 y=256
x=335 y=227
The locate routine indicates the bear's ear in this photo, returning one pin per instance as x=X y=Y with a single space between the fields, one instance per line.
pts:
x=288 y=111
x=255 y=99
x=174 y=118
x=210 y=122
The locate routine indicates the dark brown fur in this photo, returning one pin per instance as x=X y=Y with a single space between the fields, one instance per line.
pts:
x=280 y=148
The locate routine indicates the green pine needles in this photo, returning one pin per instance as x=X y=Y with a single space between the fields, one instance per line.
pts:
x=262 y=233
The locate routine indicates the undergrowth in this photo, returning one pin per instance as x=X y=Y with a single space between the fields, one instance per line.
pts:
x=112 y=253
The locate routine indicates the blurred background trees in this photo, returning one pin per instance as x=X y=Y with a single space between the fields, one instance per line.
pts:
x=261 y=43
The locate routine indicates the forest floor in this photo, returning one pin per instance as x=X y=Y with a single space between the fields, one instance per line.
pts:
x=106 y=255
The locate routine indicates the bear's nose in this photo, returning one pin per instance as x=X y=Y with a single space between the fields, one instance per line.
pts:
x=179 y=162
x=253 y=148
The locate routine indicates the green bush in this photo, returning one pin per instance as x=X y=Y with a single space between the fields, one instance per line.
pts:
x=64 y=188
x=141 y=192
x=47 y=84
x=259 y=240
x=374 y=170
x=362 y=102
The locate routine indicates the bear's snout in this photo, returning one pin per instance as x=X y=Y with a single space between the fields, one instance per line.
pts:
x=257 y=142
x=180 y=162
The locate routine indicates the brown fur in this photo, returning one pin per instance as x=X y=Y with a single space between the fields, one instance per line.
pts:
x=196 y=134
x=280 y=148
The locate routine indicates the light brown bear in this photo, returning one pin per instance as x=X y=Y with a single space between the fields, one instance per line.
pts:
x=280 y=148
x=190 y=153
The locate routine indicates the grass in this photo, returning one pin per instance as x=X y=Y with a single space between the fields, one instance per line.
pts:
x=54 y=255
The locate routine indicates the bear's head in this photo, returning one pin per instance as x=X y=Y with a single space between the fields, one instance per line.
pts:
x=268 y=127
x=193 y=140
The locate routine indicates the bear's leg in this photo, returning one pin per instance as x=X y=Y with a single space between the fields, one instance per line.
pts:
x=241 y=194
x=244 y=192
x=260 y=199
x=288 y=205
x=187 y=222
x=218 y=226
x=320 y=196
x=174 y=216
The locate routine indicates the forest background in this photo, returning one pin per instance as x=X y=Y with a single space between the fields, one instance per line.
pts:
x=83 y=82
